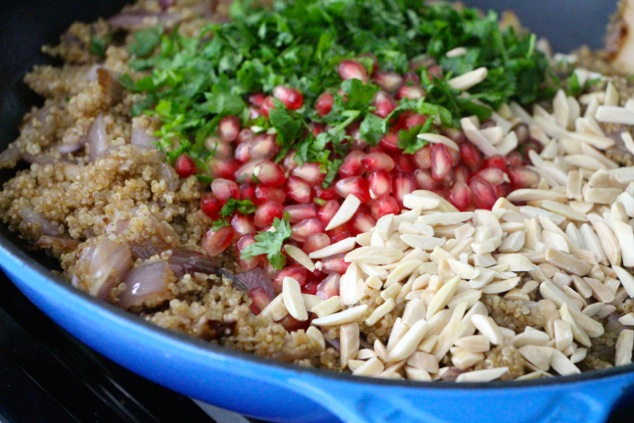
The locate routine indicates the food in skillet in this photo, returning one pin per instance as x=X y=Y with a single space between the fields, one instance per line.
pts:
x=391 y=189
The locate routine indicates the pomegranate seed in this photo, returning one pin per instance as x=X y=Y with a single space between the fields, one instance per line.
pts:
x=378 y=161
x=310 y=288
x=291 y=324
x=214 y=242
x=456 y=135
x=245 y=172
x=245 y=135
x=210 y=205
x=411 y=79
x=254 y=112
x=298 y=189
x=266 y=106
x=425 y=181
x=352 y=164
x=434 y=71
x=353 y=185
x=412 y=120
x=522 y=177
x=422 y=158
x=483 y=193
x=316 y=242
x=222 y=168
x=351 y=69
x=269 y=173
x=404 y=183
x=263 y=194
x=384 y=104
x=461 y=173
x=302 y=230
x=229 y=128
x=380 y=184
x=493 y=175
x=309 y=172
x=334 y=264
x=263 y=147
x=383 y=206
x=257 y=99
x=471 y=156
x=224 y=189
x=502 y=190
x=317 y=128
x=266 y=213
x=460 y=195
x=405 y=163
x=247 y=191
x=219 y=148
x=185 y=166
x=410 y=92
x=295 y=271
x=242 y=224
x=329 y=287
x=390 y=141
x=496 y=161
x=324 y=103
x=289 y=163
x=290 y=97
x=327 y=194
x=389 y=81
x=250 y=263
x=514 y=159
x=441 y=162
x=242 y=152
x=362 y=221
x=297 y=212
x=339 y=233
x=455 y=156
x=259 y=300
x=375 y=61
x=327 y=211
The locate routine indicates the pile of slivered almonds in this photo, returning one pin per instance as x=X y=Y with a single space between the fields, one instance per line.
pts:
x=567 y=241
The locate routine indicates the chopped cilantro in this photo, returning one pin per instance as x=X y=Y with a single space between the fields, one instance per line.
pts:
x=270 y=243
x=98 y=45
x=241 y=206
x=145 y=41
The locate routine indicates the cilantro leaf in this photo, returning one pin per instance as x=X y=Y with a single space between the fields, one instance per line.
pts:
x=98 y=45
x=371 y=129
x=408 y=140
x=270 y=243
x=145 y=41
x=241 y=206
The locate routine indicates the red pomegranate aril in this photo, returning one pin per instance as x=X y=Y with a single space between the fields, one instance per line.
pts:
x=298 y=212
x=410 y=92
x=425 y=181
x=441 y=162
x=224 y=189
x=390 y=141
x=405 y=163
x=250 y=263
x=219 y=148
x=242 y=224
x=324 y=103
x=242 y=152
x=339 y=234
x=310 y=288
x=263 y=147
x=380 y=184
x=383 y=206
x=351 y=69
x=493 y=175
x=185 y=166
x=245 y=135
x=329 y=287
x=298 y=190
x=412 y=120
x=290 y=97
x=317 y=128
x=316 y=242
x=247 y=191
x=496 y=161
x=384 y=104
x=502 y=190
x=214 y=242
x=483 y=193
x=455 y=156
x=422 y=158
x=291 y=324
x=456 y=135
x=327 y=194
x=362 y=221
x=389 y=81
x=266 y=213
x=269 y=173
x=411 y=79
x=471 y=156
x=378 y=161
x=327 y=211
x=222 y=168
x=263 y=194
x=266 y=106
x=522 y=177
x=356 y=185
x=309 y=172
x=460 y=196
x=334 y=264
x=305 y=228
x=295 y=271
x=353 y=164
x=254 y=112
x=257 y=99
x=289 y=163
x=434 y=71
x=259 y=300
x=229 y=128
x=461 y=173
x=514 y=159
x=210 y=205
x=403 y=184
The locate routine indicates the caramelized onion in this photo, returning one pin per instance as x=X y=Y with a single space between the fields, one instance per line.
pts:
x=56 y=243
x=97 y=138
x=109 y=263
x=254 y=278
x=147 y=284
x=184 y=261
x=31 y=217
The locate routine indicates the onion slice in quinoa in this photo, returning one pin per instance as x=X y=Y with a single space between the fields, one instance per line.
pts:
x=56 y=243
x=31 y=217
x=140 y=19
x=183 y=261
x=147 y=284
x=109 y=263
x=254 y=278
x=97 y=138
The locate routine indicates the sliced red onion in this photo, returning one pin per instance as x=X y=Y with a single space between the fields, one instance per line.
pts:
x=109 y=82
x=110 y=262
x=41 y=159
x=56 y=243
x=169 y=176
x=147 y=283
x=97 y=138
x=139 y=19
x=254 y=278
x=31 y=217
x=145 y=250
x=92 y=73
x=71 y=148
x=141 y=138
x=183 y=261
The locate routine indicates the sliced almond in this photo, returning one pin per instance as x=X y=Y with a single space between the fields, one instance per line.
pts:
x=346 y=316
x=346 y=211
x=293 y=301
x=486 y=375
x=340 y=247
x=469 y=79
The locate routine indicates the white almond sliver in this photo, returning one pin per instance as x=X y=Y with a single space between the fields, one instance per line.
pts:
x=627 y=319
x=614 y=114
x=469 y=79
x=380 y=312
x=486 y=375
x=480 y=141
x=293 y=301
x=372 y=367
x=348 y=342
x=463 y=270
x=624 y=345
x=439 y=139
x=316 y=335
x=422 y=242
x=346 y=316
x=501 y=286
x=626 y=278
x=442 y=297
x=625 y=234
x=374 y=255
x=538 y=356
x=529 y=194
x=327 y=307
x=408 y=344
x=628 y=141
x=343 y=246
x=299 y=256
x=487 y=327
x=562 y=365
x=474 y=343
x=517 y=262
x=446 y=218
x=346 y=211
